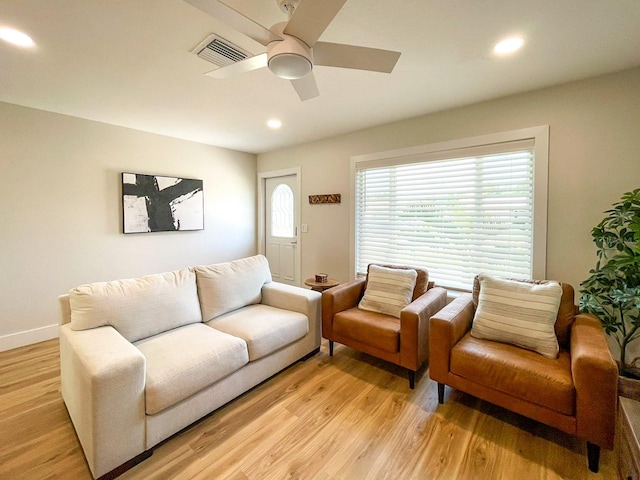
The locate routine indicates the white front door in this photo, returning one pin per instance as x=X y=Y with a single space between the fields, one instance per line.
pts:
x=281 y=228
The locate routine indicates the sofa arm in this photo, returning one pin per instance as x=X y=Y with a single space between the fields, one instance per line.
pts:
x=595 y=376
x=296 y=299
x=337 y=299
x=414 y=326
x=64 y=306
x=102 y=379
x=446 y=328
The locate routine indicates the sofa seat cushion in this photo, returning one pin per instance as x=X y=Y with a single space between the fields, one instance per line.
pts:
x=516 y=371
x=185 y=360
x=264 y=328
x=381 y=331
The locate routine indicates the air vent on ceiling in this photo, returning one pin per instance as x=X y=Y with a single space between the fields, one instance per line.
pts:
x=220 y=52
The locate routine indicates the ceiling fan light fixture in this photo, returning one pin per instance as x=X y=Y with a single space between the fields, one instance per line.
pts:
x=290 y=66
x=289 y=58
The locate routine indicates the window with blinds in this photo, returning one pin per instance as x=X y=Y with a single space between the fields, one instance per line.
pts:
x=458 y=212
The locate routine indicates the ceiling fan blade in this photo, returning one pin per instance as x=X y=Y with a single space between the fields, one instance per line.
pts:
x=236 y=20
x=351 y=56
x=246 y=65
x=306 y=87
x=311 y=18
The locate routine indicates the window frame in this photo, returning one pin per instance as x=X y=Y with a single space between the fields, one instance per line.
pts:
x=454 y=148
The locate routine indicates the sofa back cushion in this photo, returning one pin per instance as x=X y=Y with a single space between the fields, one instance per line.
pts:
x=139 y=307
x=566 y=311
x=225 y=287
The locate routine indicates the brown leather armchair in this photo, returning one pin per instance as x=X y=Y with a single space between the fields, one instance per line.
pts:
x=575 y=393
x=403 y=341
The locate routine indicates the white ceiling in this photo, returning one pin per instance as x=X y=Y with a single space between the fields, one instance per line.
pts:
x=128 y=63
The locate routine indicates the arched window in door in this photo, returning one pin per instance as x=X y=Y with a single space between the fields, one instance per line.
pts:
x=282 y=222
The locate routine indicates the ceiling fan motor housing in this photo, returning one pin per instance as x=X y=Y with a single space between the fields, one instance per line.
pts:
x=289 y=58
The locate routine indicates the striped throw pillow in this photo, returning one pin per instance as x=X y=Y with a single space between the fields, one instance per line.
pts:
x=519 y=313
x=388 y=290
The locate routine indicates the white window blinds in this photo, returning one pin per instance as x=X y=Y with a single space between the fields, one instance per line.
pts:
x=470 y=212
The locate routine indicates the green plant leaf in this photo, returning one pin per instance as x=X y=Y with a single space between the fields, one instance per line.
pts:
x=612 y=291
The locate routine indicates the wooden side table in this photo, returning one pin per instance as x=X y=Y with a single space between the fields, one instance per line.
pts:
x=321 y=286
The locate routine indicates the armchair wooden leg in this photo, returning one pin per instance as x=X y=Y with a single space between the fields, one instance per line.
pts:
x=412 y=379
x=331 y=348
x=440 y=393
x=593 y=455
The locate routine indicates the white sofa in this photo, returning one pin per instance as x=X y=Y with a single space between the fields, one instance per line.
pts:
x=143 y=358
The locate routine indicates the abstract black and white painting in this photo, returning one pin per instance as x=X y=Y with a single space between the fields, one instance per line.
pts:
x=152 y=203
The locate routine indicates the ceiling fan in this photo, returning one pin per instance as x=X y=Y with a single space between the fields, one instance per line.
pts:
x=293 y=47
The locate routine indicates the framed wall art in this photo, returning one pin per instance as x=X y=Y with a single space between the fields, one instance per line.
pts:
x=153 y=203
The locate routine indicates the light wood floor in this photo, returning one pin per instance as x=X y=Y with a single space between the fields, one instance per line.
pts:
x=344 y=417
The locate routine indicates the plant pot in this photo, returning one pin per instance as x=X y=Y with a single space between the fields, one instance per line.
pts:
x=629 y=387
x=630 y=371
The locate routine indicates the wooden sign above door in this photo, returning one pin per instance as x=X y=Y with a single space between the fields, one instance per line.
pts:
x=328 y=198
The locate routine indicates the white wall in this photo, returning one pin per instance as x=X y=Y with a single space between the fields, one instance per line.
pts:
x=594 y=157
x=60 y=194
x=61 y=220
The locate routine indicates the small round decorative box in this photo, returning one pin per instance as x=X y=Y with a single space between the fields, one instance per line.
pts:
x=321 y=277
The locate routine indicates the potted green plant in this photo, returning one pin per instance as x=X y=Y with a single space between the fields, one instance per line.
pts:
x=612 y=292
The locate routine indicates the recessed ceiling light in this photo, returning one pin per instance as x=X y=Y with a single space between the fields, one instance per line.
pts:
x=508 y=45
x=16 y=37
x=274 y=123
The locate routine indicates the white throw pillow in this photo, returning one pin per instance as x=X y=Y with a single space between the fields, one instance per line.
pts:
x=225 y=287
x=518 y=313
x=388 y=290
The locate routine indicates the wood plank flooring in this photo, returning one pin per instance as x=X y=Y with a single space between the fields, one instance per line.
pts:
x=349 y=416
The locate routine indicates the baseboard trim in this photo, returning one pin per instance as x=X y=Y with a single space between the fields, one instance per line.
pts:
x=20 y=339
